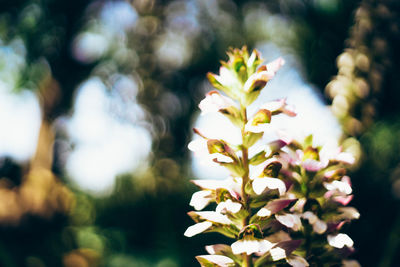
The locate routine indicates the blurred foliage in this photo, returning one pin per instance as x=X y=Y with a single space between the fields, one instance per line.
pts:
x=168 y=52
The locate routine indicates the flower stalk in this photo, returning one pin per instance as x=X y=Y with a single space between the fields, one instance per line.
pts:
x=245 y=158
x=281 y=205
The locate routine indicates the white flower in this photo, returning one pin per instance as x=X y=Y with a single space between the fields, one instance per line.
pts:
x=218 y=249
x=290 y=220
x=215 y=260
x=332 y=152
x=200 y=199
x=275 y=65
x=318 y=226
x=233 y=185
x=263 y=75
x=228 y=205
x=197 y=228
x=274 y=206
x=339 y=191
x=260 y=184
x=264 y=212
x=348 y=213
x=226 y=77
x=214 y=217
x=313 y=165
x=297 y=261
x=340 y=240
x=214 y=102
x=339 y=186
x=250 y=245
x=279 y=106
x=200 y=149
x=277 y=253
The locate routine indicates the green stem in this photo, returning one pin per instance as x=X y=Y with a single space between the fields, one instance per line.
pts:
x=247 y=260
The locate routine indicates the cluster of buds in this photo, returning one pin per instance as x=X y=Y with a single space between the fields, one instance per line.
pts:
x=282 y=204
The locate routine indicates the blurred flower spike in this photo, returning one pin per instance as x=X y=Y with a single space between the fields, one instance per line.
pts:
x=284 y=205
x=239 y=77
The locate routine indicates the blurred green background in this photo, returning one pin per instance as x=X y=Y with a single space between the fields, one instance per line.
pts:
x=98 y=98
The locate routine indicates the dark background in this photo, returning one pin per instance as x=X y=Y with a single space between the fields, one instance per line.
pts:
x=142 y=222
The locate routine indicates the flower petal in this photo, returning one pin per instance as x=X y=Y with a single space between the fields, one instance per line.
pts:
x=275 y=65
x=274 y=206
x=250 y=245
x=277 y=253
x=297 y=261
x=215 y=260
x=214 y=102
x=213 y=217
x=228 y=205
x=290 y=220
x=218 y=249
x=200 y=199
x=260 y=184
x=197 y=228
x=340 y=241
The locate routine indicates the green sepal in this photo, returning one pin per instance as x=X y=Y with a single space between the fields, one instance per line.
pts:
x=238 y=216
x=235 y=168
x=222 y=194
x=272 y=169
x=311 y=153
x=225 y=250
x=249 y=98
x=204 y=262
x=230 y=231
x=231 y=92
x=253 y=230
x=248 y=188
x=234 y=115
x=258 y=158
x=221 y=147
x=308 y=141
x=265 y=260
x=262 y=116
x=242 y=74
x=251 y=138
